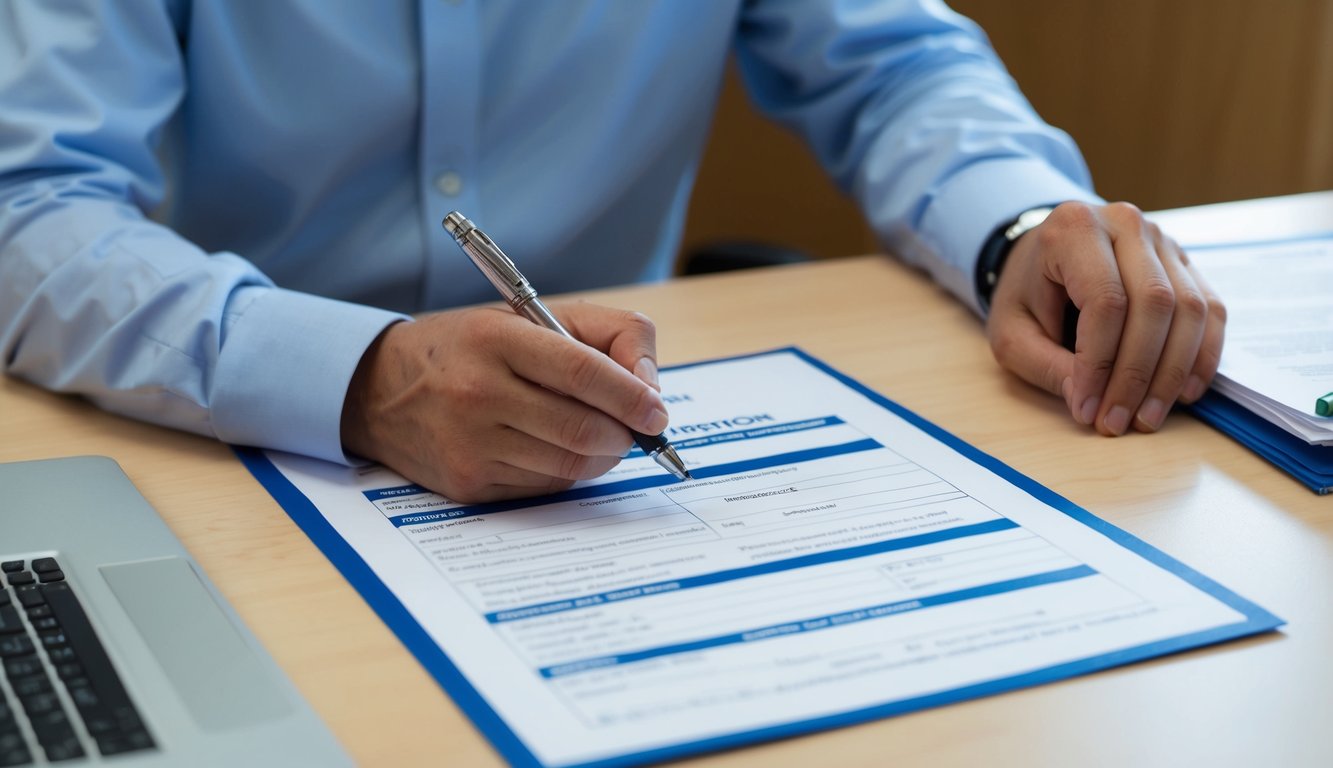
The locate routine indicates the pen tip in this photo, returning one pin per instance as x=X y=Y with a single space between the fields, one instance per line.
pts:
x=688 y=476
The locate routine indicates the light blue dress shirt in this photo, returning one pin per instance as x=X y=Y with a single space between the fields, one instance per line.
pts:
x=209 y=209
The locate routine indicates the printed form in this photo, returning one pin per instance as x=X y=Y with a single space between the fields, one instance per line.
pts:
x=831 y=562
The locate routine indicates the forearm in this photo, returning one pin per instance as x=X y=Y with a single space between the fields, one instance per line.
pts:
x=97 y=301
x=909 y=109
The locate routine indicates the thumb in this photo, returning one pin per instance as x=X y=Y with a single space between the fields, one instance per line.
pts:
x=1021 y=344
x=627 y=337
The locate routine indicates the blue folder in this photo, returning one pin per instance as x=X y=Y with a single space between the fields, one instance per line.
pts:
x=1310 y=464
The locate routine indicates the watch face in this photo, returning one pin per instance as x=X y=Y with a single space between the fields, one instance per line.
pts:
x=1027 y=220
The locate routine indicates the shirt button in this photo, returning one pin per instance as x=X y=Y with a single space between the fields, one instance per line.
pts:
x=449 y=183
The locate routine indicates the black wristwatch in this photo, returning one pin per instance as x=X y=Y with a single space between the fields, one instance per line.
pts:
x=996 y=249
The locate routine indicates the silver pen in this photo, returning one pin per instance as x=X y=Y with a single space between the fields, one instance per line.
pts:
x=522 y=298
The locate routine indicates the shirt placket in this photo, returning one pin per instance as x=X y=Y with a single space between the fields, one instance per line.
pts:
x=450 y=84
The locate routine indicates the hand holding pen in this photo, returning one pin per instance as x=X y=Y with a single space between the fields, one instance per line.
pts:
x=481 y=404
x=522 y=298
x=465 y=402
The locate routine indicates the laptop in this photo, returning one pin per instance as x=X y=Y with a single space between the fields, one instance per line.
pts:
x=116 y=648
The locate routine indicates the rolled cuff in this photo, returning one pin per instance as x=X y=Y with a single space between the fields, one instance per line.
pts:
x=284 y=370
x=978 y=199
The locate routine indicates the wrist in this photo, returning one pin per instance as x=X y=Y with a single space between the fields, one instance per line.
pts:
x=357 y=422
x=996 y=248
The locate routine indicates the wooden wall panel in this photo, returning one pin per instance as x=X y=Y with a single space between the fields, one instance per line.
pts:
x=1174 y=102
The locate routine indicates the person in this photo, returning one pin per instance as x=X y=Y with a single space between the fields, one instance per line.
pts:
x=217 y=215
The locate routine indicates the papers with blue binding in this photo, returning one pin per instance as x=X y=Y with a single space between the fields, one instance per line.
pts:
x=836 y=559
x=1277 y=362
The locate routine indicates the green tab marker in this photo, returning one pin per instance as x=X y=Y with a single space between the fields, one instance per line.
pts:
x=1324 y=405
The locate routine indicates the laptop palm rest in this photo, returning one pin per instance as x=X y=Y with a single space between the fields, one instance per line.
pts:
x=221 y=681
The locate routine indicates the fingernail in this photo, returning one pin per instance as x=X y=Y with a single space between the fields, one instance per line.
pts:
x=1089 y=410
x=1194 y=388
x=654 y=419
x=646 y=370
x=1117 y=419
x=656 y=423
x=1152 y=413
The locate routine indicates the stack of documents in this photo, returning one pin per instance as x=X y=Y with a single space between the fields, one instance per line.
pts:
x=1275 y=383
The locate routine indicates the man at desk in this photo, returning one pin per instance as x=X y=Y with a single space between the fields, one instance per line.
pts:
x=307 y=151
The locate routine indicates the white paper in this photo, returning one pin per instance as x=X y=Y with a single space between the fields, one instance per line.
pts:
x=648 y=613
x=1278 y=356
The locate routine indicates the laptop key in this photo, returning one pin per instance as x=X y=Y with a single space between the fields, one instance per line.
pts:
x=9 y=620
x=38 y=611
x=10 y=566
x=23 y=666
x=45 y=564
x=29 y=596
x=39 y=704
x=30 y=686
x=19 y=578
x=15 y=645
x=88 y=651
x=13 y=755
x=50 y=576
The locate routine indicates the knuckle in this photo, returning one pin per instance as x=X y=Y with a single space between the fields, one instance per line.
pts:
x=466 y=482
x=1171 y=379
x=579 y=432
x=641 y=323
x=1216 y=309
x=1192 y=304
x=1099 y=368
x=1126 y=215
x=1074 y=215
x=1109 y=299
x=582 y=372
x=574 y=466
x=1158 y=297
x=1136 y=376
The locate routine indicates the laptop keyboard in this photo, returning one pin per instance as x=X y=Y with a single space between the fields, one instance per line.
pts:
x=56 y=666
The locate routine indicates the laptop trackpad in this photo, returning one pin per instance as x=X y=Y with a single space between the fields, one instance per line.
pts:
x=214 y=671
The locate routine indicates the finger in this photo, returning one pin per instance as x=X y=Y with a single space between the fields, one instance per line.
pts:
x=1151 y=307
x=627 y=337
x=513 y=483
x=524 y=452
x=1181 y=349
x=480 y=481
x=583 y=373
x=1023 y=344
x=563 y=422
x=1084 y=263
x=1026 y=322
x=1210 y=350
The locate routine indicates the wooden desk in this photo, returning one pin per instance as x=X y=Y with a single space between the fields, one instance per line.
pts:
x=1187 y=490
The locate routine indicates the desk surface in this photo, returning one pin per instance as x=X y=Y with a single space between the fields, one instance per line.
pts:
x=1187 y=490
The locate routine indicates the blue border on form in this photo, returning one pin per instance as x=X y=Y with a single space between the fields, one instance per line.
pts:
x=507 y=743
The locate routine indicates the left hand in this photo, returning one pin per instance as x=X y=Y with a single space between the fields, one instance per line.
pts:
x=1149 y=329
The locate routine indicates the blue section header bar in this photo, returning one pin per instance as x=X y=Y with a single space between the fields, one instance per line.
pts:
x=776 y=566
x=638 y=484
x=827 y=621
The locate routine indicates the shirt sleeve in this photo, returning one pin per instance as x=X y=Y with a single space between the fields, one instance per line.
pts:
x=97 y=299
x=909 y=109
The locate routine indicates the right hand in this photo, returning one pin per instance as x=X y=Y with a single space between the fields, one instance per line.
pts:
x=480 y=404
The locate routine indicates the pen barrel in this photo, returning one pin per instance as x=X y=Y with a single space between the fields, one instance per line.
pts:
x=532 y=308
